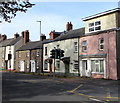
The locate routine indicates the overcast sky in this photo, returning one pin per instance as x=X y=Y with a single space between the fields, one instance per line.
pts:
x=53 y=16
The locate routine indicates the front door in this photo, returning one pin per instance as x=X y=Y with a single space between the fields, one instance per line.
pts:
x=22 y=66
x=32 y=65
x=84 y=68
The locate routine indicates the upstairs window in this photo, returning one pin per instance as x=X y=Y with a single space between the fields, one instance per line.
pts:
x=75 y=46
x=95 y=26
x=84 y=46
x=45 y=50
x=19 y=54
x=27 y=54
x=101 y=44
x=37 y=53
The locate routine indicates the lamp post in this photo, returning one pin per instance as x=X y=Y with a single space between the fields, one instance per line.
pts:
x=40 y=27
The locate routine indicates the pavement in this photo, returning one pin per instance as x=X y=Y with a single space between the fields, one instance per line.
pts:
x=26 y=87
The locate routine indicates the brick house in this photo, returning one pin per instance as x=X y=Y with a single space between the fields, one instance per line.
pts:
x=100 y=47
x=29 y=56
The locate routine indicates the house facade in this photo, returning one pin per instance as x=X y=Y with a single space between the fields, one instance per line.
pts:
x=99 y=48
x=11 y=48
x=30 y=56
x=3 y=43
x=68 y=42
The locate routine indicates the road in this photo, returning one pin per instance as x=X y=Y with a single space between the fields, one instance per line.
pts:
x=26 y=87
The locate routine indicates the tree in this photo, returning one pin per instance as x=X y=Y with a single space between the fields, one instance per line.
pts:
x=9 y=8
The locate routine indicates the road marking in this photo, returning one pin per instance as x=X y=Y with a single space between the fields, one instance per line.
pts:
x=72 y=91
x=95 y=99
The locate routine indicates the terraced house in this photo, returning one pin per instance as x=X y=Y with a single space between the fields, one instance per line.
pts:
x=67 y=41
x=100 y=46
x=3 y=43
x=30 y=56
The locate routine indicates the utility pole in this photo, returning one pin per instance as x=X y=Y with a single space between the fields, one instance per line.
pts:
x=40 y=27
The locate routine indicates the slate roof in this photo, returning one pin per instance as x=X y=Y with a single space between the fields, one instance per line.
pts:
x=6 y=42
x=15 y=41
x=33 y=45
x=70 y=34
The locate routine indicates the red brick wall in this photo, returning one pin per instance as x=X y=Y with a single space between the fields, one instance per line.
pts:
x=109 y=48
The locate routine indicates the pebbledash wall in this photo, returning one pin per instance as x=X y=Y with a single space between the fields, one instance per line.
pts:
x=108 y=55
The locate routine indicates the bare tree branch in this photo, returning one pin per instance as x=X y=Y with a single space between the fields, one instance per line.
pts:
x=9 y=9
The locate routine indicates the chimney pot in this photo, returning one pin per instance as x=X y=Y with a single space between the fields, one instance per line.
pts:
x=3 y=37
x=26 y=36
x=16 y=35
x=69 y=26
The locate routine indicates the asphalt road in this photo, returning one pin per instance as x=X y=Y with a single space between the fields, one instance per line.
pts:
x=26 y=87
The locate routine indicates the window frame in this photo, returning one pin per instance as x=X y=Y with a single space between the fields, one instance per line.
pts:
x=76 y=47
x=27 y=54
x=101 y=44
x=99 y=66
x=84 y=46
x=76 y=63
x=46 y=51
x=93 y=26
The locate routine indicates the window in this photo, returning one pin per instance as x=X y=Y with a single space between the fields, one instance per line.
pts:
x=27 y=54
x=101 y=44
x=58 y=64
x=76 y=66
x=46 y=65
x=37 y=63
x=97 y=66
x=27 y=63
x=75 y=47
x=45 y=50
x=95 y=26
x=18 y=64
x=84 y=46
x=37 y=53
x=19 y=54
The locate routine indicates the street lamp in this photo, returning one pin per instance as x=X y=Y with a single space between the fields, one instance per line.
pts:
x=40 y=26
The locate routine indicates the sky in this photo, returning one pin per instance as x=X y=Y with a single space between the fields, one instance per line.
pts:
x=53 y=16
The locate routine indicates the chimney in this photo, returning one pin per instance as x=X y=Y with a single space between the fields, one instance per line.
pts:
x=42 y=37
x=3 y=37
x=22 y=34
x=16 y=35
x=69 y=26
x=26 y=36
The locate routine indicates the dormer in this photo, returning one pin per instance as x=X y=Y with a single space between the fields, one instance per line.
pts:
x=103 y=21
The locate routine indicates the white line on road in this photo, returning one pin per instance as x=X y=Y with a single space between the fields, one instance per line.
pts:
x=95 y=99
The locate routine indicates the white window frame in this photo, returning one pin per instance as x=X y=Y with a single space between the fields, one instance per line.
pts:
x=99 y=59
x=76 y=63
x=83 y=50
x=27 y=64
x=100 y=44
x=37 y=64
x=94 y=26
x=19 y=54
x=76 y=47
x=27 y=54
x=38 y=53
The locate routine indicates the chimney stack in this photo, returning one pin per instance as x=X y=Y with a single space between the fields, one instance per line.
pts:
x=69 y=26
x=42 y=37
x=25 y=35
x=16 y=35
x=3 y=37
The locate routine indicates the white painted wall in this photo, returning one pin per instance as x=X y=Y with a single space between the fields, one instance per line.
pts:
x=68 y=47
